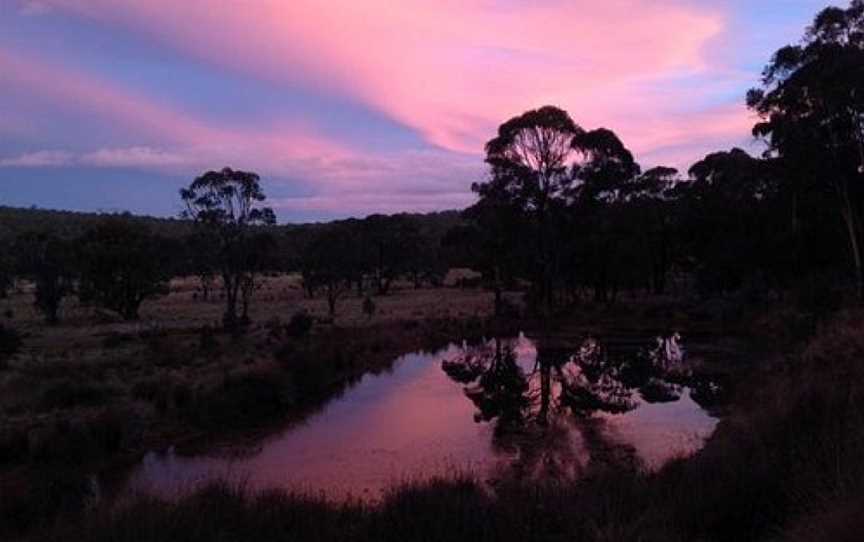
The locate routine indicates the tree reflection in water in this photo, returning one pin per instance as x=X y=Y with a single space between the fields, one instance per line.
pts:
x=542 y=409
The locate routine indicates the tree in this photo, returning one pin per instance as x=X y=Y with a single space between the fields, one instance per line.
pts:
x=391 y=243
x=122 y=265
x=7 y=268
x=202 y=252
x=599 y=197
x=328 y=264
x=733 y=224
x=49 y=262
x=368 y=307
x=530 y=163
x=494 y=242
x=606 y=169
x=259 y=258
x=811 y=104
x=226 y=204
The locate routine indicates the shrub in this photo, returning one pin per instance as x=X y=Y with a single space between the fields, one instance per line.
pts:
x=243 y=400
x=207 y=339
x=13 y=444
x=116 y=340
x=368 y=307
x=300 y=325
x=10 y=343
x=68 y=393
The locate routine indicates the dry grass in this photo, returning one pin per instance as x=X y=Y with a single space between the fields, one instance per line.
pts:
x=164 y=368
x=278 y=297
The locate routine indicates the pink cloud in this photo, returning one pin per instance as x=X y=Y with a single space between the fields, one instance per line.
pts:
x=195 y=142
x=451 y=70
x=39 y=159
x=679 y=139
x=54 y=83
x=370 y=203
x=134 y=157
x=33 y=8
x=293 y=151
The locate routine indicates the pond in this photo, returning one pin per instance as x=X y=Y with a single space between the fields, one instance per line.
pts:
x=500 y=408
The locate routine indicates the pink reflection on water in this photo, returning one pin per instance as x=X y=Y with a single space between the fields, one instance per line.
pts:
x=662 y=431
x=413 y=423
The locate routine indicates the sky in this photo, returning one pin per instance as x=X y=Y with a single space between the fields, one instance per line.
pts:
x=352 y=107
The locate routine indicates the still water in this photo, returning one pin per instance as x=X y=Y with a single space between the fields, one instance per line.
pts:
x=496 y=409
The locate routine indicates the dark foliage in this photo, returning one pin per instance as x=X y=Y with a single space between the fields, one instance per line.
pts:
x=122 y=265
x=226 y=205
x=10 y=343
x=49 y=261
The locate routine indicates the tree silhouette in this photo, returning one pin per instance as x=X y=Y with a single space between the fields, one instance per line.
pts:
x=391 y=246
x=812 y=109
x=203 y=259
x=597 y=208
x=329 y=264
x=7 y=268
x=49 y=262
x=259 y=258
x=226 y=204
x=530 y=170
x=122 y=264
x=555 y=208
x=652 y=202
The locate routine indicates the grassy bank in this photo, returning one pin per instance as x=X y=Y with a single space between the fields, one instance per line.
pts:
x=172 y=376
x=91 y=395
x=785 y=465
x=47 y=466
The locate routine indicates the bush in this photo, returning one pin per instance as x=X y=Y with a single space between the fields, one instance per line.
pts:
x=116 y=340
x=68 y=393
x=300 y=325
x=368 y=307
x=10 y=343
x=207 y=339
x=13 y=444
x=243 y=400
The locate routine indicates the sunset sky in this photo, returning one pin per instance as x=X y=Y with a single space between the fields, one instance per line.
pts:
x=349 y=107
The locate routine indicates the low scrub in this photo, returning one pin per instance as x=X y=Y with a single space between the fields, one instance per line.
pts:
x=69 y=393
x=10 y=342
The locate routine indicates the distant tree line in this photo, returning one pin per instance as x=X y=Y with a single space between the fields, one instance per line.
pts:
x=226 y=238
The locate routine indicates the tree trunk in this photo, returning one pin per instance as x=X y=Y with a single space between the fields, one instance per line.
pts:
x=496 y=288
x=853 y=227
x=331 y=301
x=232 y=287
x=545 y=392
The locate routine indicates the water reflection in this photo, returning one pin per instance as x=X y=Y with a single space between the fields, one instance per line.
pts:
x=519 y=407
x=543 y=400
